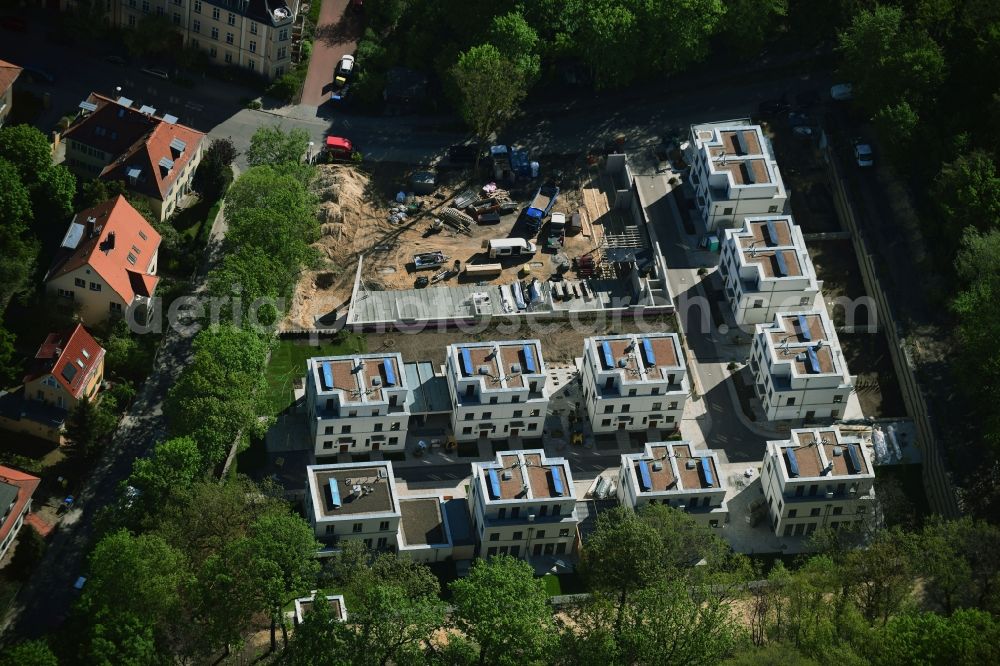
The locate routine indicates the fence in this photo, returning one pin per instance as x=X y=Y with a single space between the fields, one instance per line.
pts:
x=937 y=483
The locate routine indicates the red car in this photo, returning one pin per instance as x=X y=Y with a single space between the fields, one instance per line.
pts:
x=337 y=147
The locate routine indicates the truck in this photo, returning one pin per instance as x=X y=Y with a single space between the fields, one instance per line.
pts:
x=540 y=206
x=557 y=231
x=509 y=247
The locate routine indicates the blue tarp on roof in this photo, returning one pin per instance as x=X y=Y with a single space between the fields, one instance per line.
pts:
x=334 y=493
x=853 y=459
x=782 y=266
x=804 y=328
x=390 y=376
x=529 y=359
x=813 y=360
x=494 y=484
x=327 y=376
x=793 y=464
x=557 y=483
x=644 y=479
x=647 y=349
x=466 y=362
x=609 y=359
x=706 y=470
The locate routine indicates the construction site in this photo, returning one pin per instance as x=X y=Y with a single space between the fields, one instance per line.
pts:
x=462 y=252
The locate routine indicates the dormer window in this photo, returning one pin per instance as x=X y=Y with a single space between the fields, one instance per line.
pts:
x=143 y=236
x=177 y=148
x=133 y=174
x=135 y=250
x=166 y=164
x=131 y=258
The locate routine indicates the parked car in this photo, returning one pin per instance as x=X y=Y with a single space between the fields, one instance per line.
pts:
x=807 y=99
x=338 y=148
x=863 y=154
x=842 y=92
x=154 y=71
x=772 y=107
x=343 y=71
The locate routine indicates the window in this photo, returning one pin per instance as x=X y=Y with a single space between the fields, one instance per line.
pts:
x=383 y=526
x=631 y=393
x=94 y=286
x=495 y=536
x=487 y=415
x=657 y=406
x=515 y=512
x=518 y=536
x=382 y=542
x=804 y=300
x=356 y=527
x=540 y=534
x=345 y=429
x=228 y=57
x=772 y=209
x=517 y=413
x=758 y=303
x=131 y=20
x=145 y=6
x=215 y=13
x=491 y=552
x=327 y=444
x=253 y=28
x=516 y=398
x=788 y=530
x=837 y=510
x=792 y=513
x=229 y=38
x=79 y=282
x=196 y=25
x=330 y=529
x=543 y=510
x=215 y=33
x=131 y=3
x=557 y=509
x=231 y=19
x=814 y=512
x=143 y=236
x=605 y=422
x=253 y=46
x=673 y=405
x=532 y=426
x=328 y=430
x=159 y=11
x=493 y=400
x=468 y=416
x=791 y=401
x=197 y=6
x=368 y=543
x=467 y=431
x=115 y=307
x=378 y=427
x=625 y=408
x=283 y=35
x=609 y=409
x=838 y=398
x=212 y=51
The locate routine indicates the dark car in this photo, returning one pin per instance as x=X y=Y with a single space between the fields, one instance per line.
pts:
x=807 y=99
x=462 y=153
x=772 y=107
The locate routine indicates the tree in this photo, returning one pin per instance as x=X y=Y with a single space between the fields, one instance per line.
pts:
x=967 y=637
x=89 y=424
x=122 y=638
x=53 y=199
x=888 y=60
x=490 y=90
x=503 y=608
x=29 y=552
x=170 y=471
x=749 y=24
x=960 y=563
x=215 y=170
x=28 y=149
x=321 y=640
x=967 y=192
x=29 y=653
x=517 y=41
x=202 y=403
x=8 y=370
x=273 y=146
x=20 y=249
x=896 y=125
x=153 y=35
x=881 y=575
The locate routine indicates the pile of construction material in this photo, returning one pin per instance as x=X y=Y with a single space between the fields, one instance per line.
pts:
x=457 y=219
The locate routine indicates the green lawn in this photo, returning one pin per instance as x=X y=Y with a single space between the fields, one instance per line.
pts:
x=288 y=361
x=552 y=586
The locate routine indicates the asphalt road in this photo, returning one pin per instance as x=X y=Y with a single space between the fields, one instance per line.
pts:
x=336 y=35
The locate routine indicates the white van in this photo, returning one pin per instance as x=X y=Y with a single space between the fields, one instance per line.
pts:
x=509 y=247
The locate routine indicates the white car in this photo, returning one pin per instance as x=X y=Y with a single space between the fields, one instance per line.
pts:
x=863 y=154
x=344 y=69
x=842 y=92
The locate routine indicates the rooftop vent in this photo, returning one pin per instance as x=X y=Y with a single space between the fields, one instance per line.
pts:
x=484 y=370
x=837 y=451
x=507 y=475
x=622 y=362
x=690 y=464
x=657 y=466
x=376 y=381
x=515 y=368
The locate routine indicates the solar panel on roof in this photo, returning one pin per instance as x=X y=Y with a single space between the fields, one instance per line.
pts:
x=166 y=163
x=327 y=376
x=782 y=266
x=771 y=237
x=390 y=375
x=644 y=479
x=88 y=106
x=145 y=108
x=529 y=358
x=853 y=460
x=804 y=328
x=608 y=357
x=466 y=362
x=133 y=172
x=494 y=484
x=813 y=360
x=751 y=176
x=741 y=143
x=557 y=484
x=793 y=464
x=68 y=372
x=169 y=119
x=178 y=145
x=706 y=470
x=125 y=101
x=334 y=493
x=647 y=350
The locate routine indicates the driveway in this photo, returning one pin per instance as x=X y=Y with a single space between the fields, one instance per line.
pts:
x=336 y=35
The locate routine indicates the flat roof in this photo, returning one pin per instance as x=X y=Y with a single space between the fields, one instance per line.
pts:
x=799 y=338
x=500 y=364
x=674 y=473
x=838 y=456
x=428 y=392
x=362 y=490
x=693 y=477
x=305 y=604
x=663 y=478
x=361 y=377
x=762 y=240
x=630 y=355
x=532 y=476
x=422 y=522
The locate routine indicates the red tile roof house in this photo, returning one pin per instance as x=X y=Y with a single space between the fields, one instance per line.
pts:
x=8 y=75
x=107 y=262
x=16 y=489
x=154 y=156
x=68 y=367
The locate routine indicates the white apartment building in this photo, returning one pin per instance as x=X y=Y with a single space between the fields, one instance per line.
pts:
x=734 y=173
x=798 y=367
x=634 y=382
x=766 y=269
x=523 y=504
x=353 y=501
x=357 y=403
x=253 y=34
x=815 y=479
x=497 y=389
x=675 y=474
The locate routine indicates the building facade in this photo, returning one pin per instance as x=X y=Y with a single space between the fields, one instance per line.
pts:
x=675 y=474
x=353 y=501
x=155 y=157
x=816 y=479
x=734 y=173
x=357 y=403
x=68 y=367
x=16 y=489
x=634 y=382
x=799 y=369
x=8 y=75
x=256 y=35
x=766 y=269
x=523 y=504
x=106 y=264
x=497 y=389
